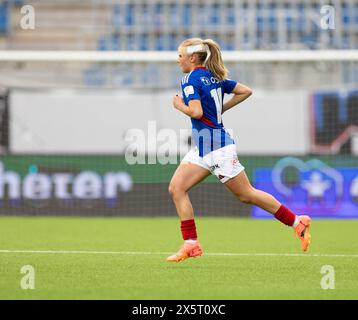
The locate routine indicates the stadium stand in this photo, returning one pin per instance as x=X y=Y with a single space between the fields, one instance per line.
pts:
x=159 y=25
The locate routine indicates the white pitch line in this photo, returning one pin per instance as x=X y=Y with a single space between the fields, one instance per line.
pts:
x=285 y=255
x=166 y=253
x=83 y=252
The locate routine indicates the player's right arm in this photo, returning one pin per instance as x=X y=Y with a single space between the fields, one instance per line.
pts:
x=191 y=90
x=193 y=109
x=241 y=93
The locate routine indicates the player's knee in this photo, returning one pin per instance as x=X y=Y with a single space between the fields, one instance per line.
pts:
x=246 y=198
x=174 y=189
x=171 y=189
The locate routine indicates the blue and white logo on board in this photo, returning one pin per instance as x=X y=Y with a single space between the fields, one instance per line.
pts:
x=310 y=187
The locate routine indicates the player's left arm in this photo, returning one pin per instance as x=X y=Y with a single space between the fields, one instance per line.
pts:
x=241 y=93
x=193 y=110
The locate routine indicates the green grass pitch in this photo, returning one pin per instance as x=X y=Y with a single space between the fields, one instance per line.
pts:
x=126 y=259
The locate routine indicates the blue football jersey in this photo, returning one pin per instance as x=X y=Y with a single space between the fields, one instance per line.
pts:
x=208 y=132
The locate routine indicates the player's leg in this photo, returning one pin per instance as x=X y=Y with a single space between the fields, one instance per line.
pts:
x=241 y=187
x=185 y=177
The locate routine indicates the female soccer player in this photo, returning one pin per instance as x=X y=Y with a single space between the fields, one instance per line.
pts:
x=203 y=88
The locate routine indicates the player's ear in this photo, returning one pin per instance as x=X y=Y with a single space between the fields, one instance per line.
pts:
x=193 y=58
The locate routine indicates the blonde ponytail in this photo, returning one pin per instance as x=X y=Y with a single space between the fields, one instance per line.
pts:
x=215 y=62
x=209 y=55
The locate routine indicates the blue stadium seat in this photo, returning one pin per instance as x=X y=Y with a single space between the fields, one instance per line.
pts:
x=102 y=44
x=4 y=23
x=131 y=43
x=187 y=12
x=174 y=12
x=114 y=42
x=345 y=40
x=144 y=42
x=345 y=14
x=160 y=43
x=301 y=20
x=245 y=43
x=309 y=39
x=260 y=23
x=159 y=15
x=116 y=16
x=202 y=17
x=111 y=42
x=214 y=15
x=272 y=23
x=130 y=15
x=173 y=42
x=230 y=15
x=289 y=20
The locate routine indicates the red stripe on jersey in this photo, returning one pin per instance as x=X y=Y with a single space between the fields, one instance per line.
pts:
x=200 y=67
x=206 y=121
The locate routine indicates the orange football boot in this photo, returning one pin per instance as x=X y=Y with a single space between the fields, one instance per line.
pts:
x=302 y=230
x=187 y=250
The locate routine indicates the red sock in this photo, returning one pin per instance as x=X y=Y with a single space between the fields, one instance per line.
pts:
x=188 y=229
x=285 y=215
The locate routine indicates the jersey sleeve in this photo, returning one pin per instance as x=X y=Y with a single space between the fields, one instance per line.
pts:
x=191 y=90
x=229 y=85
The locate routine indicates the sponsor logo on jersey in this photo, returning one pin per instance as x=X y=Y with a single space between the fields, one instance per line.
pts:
x=188 y=90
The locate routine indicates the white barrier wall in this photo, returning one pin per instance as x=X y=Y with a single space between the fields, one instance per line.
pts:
x=272 y=122
x=69 y=121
